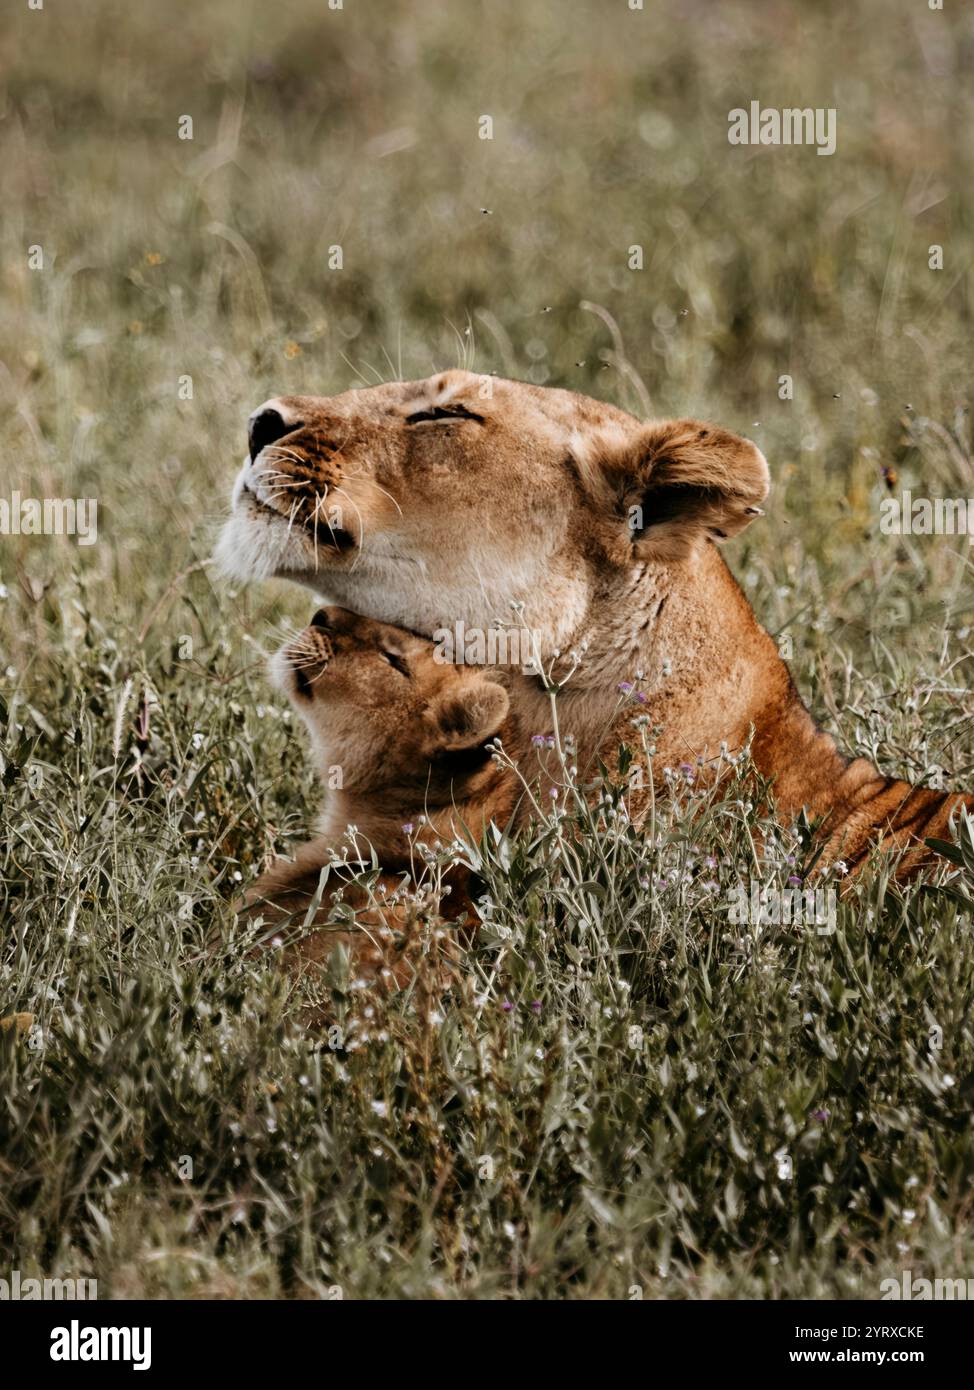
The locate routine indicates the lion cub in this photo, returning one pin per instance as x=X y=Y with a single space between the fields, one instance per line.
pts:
x=400 y=741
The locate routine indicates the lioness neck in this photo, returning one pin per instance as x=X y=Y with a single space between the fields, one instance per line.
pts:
x=709 y=678
x=708 y=674
x=734 y=680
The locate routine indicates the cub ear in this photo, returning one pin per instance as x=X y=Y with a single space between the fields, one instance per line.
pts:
x=465 y=717
x=681 y=481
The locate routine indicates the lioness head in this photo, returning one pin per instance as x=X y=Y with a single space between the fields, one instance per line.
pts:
x=382 y=708
x=427 y=503
x=446 y=501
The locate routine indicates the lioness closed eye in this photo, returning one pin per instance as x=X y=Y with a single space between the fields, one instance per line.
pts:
x=445 y=501
x=402 y=743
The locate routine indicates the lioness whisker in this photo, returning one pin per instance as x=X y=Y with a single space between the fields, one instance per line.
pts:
x=274 y=493
x=361 y=522
x=364 y=379
x=282 y=480
x=385 y=493
x=279 y=450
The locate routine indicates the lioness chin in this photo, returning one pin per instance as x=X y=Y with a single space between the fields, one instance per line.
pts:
x=466 y=499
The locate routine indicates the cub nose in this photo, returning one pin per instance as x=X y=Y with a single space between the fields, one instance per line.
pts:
x=265 y=426
x=335 y=619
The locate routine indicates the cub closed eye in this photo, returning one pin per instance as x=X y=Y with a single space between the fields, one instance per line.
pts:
x=443 y=412
x=395 y=660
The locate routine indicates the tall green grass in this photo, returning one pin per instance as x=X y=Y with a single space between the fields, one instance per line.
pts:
x=623 y=1091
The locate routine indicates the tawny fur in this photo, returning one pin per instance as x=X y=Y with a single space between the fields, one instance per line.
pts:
x=410 y=740
x=427 y=503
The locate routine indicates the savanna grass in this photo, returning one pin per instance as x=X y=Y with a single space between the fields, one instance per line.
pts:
x=622 y=1090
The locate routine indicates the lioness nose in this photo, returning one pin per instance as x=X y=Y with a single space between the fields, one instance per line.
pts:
x=321 y=618
x=264 y=426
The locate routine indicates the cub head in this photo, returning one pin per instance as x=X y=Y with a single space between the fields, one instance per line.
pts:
x=448 y=500
x=380 y=705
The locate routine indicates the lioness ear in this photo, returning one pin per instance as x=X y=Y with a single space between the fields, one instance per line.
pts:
x=463 y=718
x=682 y=480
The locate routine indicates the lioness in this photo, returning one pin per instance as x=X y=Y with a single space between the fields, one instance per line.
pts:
x=449 y=500
x=403 y=743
